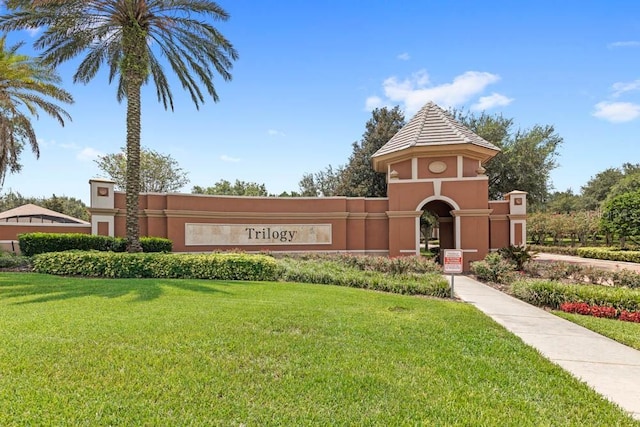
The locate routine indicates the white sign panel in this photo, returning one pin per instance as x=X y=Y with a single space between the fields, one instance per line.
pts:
x=256 y=234
x=452 y=261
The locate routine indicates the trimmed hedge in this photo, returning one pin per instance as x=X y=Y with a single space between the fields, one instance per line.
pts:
x=611 y=254
x=221 y=266
x=544 y=293
x=37 y=243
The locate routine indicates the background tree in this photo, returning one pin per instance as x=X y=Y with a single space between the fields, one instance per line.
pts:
x=159 y=173
x=128 y=36
x=563 y=202
x=358 y=178
x=325 y=183
x=629 y=183
x=621 y=216
x=308 y=186
x=538 y=227
x=63 y=204
x=25 y=85
x=239 y=188
x=527 y=158
x=595 y=191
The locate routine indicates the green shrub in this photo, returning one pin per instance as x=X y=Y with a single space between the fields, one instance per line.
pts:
x=518 y=255
x=38 y=243
x=555 y=270
x=612 y=254
x=227 y=266
x=154 y=244
x=626 y=278
x=494 y=268
x=358 y=272
x=397 y=265
x=9 y=260
x=544 y=293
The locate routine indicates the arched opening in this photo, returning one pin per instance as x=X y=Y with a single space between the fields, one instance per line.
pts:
x=437 y=226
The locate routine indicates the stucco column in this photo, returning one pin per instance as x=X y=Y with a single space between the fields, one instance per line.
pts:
x=517 y=217
x=472 y=233
x=102 y=207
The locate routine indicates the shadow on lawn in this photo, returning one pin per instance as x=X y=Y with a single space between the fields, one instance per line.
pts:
x=53 y=288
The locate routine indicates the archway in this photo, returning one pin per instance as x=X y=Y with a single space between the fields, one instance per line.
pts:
x=440 y=208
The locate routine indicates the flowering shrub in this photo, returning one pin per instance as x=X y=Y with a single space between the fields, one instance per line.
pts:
x=630 y=316
x=600 y=311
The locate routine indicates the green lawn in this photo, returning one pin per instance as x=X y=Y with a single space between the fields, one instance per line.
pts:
x=191 y=352
x=627 y=333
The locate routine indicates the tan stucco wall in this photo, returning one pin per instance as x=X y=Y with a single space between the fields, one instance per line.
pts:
x=357 y=224
x=449 y=161
x=454 y=185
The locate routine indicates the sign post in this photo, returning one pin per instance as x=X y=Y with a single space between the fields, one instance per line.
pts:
x=452 y=263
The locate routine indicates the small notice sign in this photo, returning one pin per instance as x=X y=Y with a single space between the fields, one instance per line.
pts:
x=452 y=261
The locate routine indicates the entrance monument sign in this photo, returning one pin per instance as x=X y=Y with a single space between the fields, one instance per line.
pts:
x=432 y=164
x=252 y=234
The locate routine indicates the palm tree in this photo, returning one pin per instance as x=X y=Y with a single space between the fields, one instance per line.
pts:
x=129 y=35
x=25 y=85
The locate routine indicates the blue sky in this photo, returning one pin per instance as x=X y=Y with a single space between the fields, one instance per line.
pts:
x=309 y=74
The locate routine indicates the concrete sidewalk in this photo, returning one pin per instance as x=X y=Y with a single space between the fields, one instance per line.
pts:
x=610 y=368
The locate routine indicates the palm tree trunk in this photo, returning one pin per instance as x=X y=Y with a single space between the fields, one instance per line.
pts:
x=134 y=69
x=133 y=168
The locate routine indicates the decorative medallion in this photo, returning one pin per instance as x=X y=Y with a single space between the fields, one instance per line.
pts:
x=103 y=191
x=437 y=167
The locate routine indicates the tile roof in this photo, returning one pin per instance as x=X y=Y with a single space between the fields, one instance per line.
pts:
x=432 y=126
x=33 y=211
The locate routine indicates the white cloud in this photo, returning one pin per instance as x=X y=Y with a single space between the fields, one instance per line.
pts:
x=416 y=90
x=632 y=43
x=491 y=101
x=404 y=56
x=88 y=153
x=621 y=87
x=229 y=159
x=275 y=132
x=617 y=112
x=372 y=103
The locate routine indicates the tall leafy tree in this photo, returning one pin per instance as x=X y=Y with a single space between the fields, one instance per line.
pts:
x=609 y=183
x=563 y=202
x=595 y=191
x=239 y=188
x=26 y=85
x=159 y=173
x=628 y=184
x=527 y=158
x=359 y=179
x=131 y=36
x=621 y=216
x=308 y=186
x=326 y=183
